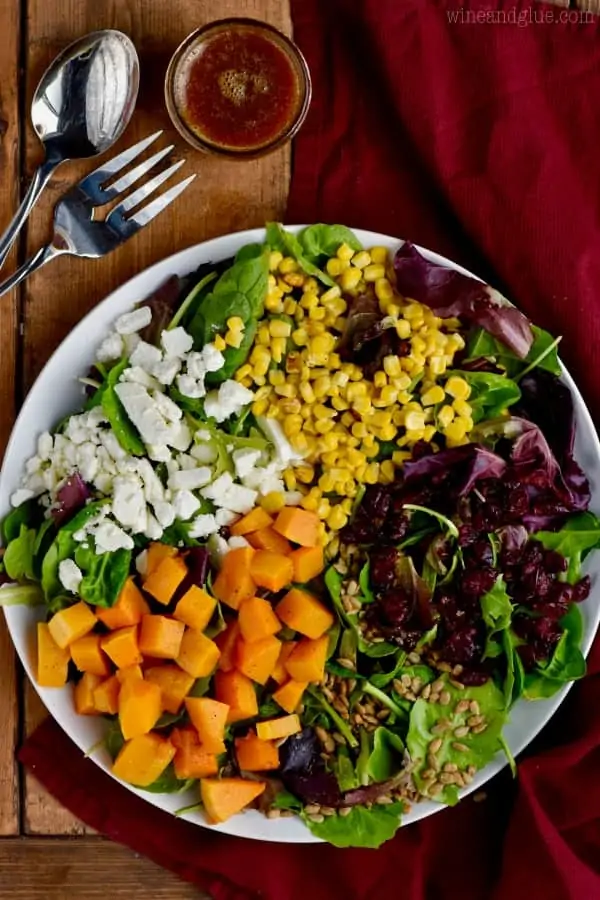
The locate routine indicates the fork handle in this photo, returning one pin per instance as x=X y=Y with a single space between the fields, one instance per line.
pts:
x=38 y=183
x=39 y=259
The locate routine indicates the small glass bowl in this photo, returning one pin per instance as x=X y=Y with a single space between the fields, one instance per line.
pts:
x=190 y=45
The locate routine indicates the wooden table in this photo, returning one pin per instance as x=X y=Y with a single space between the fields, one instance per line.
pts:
x=45 y=853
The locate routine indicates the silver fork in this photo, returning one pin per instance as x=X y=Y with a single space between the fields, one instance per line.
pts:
x=75 y=229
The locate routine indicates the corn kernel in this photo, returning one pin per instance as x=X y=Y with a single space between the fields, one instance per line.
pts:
x=334 y=267
x=372 y=473
x=387 y=471
x=391 y=366
x=403 y=329
x=272 y=502
x=428 y=433
x=292 y=424
x=260 y=368
x=290 y=406
x=345 y=252
x=278 y=346
x=350 y=278
x=300 y=337
x=361 y=259
x=445 y=416
x=458 y=387
x=243 y=372
x=305 y=474
x=326 y=483
x=235 y=323
x=289 y=306
x=337 y=519
x=273 y=301
x=437 y=365
x=276 y=377
x=309 y=503
x=299 y=442
x=321 y=385
x=388 y=432
x=294 y=279
x=379 y=255
x=273 y=411
x=286 y=390
x=389 y=395
x=289 y=479
x=414 y=421
x=275 y=258
x=306 y=392
x=219 y=343
x=234 y=338
x=399 y=457
x=323 y=508
x=317 y=313
x=433 y=395
x=359 y=430
x=259 y=407
x=467 y=421
x=288 y=265
x=373 y=273
x=462 y=407
x=279 y=329
x=384 y=293
x=456 y=430
x=262 y=336
x=309 y=301
x=322 y=426
x=332 y=294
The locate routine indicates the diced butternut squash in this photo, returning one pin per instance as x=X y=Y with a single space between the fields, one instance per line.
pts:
x=157 y=553
x=165 y=579
x=83 y=694
x=182 y=737
x=257 y=619
x=301 y=526
x=258 y=659
x=174 y=684
x=308 y=562
x=275 y=729
x=233 y=584
x=142 y=759
x=307 y=660
x=52 y=660
x=106 y=696
x=209 y=718
x=139 y=707
x=271 y=570
x=128 y=610
x=280 y=673
x=88 y=656
x=269 y=539
x=160 y=636
x=195 y=608
x=224 y=797
x=130 y=672
x=252 y=521
x=254 y=755
x=237 y=692
x=304 y=613
x=198 y=655
x=122 y=647
x=289 y=694
x=226 y=642
x=194 y=761
x=71 y=623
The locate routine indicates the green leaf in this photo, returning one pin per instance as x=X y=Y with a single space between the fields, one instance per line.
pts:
x=542 y=352
x=280 y=239
x=383 y=698
x=285 y=800
x=496 y=609
x=44 y=537
x=194 y=298
x=169 y=783
x=447 y=524
x=21 y=595
x=577 y=537
x=333 y=583
x=381 y=679
x=320 y=242
x=387 y=756
x=364 y=581
x=104 y=575
x=490 y=394
x=28 y=513
x=126 y=433
x=362 y=827
x=114 y=740
x=514 y=680
x=566 y=664
x=340 y=724
x=344 y=770
x=62 y=547
x=481 y=748
x=167 y=719
x=18 y=557
x=508 y=753
x=200 y=686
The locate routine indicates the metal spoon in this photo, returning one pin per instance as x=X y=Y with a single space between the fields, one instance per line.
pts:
x=82 y=105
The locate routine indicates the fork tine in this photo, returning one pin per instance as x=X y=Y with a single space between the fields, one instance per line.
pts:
x=130 y=178
x=129 y=226
x=145 y=190
x=93 y=184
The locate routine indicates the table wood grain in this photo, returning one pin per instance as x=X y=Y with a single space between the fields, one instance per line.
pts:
x=46 y=852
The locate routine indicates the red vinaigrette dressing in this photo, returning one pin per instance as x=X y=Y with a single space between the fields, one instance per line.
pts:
x=239 y=90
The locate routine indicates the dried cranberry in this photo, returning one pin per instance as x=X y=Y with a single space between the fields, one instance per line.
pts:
x=476 y=582
x=528 y=658
x=480 y=554
x=395 y=607
x=466 y=536
x=463 y=647
x=383 y=567
x=554 y=562
x=582 y=589
x=395 y=529
x=516 y=500
x=472 y=677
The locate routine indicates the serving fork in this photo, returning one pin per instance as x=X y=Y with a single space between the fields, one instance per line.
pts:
x=78 y=232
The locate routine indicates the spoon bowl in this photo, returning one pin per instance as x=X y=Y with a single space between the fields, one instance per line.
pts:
x=81 y=107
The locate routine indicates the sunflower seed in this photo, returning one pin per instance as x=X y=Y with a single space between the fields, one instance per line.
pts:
x=414 y=658
x=461 y=732
x=474 y=707
x=450 y=767
x=351 y=682
x=410 y=696
x=442 y=726
x=328 y=694
x=369 y=708
x=435 y=746
x=312 y=809
x=416 y=684
x=443 y=667
x=447 y=778
x=445 y=698
x=471 y=770
x=461 y=748
x=317 y=819
x=457 y=684
x=438 y=685
x=457 y=670
x=338 y=738
x=384 y=800
x=273 y=813
x=352 y=588
x=425 y=693
x=346 y=663
x=322 y=734
x=433 y=762
x=479 y=729
x=436 y=789
x=428 y=774
x=398 y=686
x=434 y=697
x=383 y=713
x=406 y=680
x=328 y=811
x=344 y=811
x=461 y=707
x=473 y=721
x=357 y=719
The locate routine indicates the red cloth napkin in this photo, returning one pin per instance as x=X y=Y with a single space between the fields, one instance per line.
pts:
x=479 y=140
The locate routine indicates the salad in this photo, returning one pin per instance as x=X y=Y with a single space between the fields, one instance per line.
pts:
x=315 y=529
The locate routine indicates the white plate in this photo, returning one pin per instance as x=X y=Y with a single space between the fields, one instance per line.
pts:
x=57 y=393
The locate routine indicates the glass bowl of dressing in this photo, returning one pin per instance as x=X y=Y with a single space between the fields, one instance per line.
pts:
x=237 y=88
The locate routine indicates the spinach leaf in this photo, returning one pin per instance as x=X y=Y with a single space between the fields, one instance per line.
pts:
x=364 y=581
x=169 y=783
x=579 y=535
x=340 y=724
x=44 y=537
x=113 y=739
x=480 y=748
x=496 y=609
x=333 y=583
x=490 y=394
x=566 y=664
x=362 y=827
x=104 y=575
x=176 y=535
x=28 y=513
x=285 y=800
x=247 y=276
x=344 y=771
x=446 y=523
x=280 y=239
x=319 y=242
x=381 y=679
x=195 y=297
x=387 y=756
x=167 y=719
x=63 y=546
x=126 y=433
x=200 y=686
x=18 y=557
x=542 y=353
x=514 y=680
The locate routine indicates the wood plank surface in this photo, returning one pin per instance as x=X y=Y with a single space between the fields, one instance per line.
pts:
x=9 y=318
x=226 y=196
x=83 y=869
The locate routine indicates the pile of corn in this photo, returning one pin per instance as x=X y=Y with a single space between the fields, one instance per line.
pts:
x=329 y=411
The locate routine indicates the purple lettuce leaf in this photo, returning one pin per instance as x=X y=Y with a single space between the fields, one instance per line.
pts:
x=460 y=467
x=365 y=341
x=71 y=497
x=547 y=402
x=450 y=294
x=163 y=303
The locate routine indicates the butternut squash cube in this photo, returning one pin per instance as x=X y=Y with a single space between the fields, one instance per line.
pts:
x=308 y=562
x=209 y=718
x=129 y=672
x=194 y=761
x=128 y=610
x=224 y=797
x=275 y=729
x=195 y=608
x=272 y=571
x=71 y=623
x=233 y=584
x=258 y=659
x=52 y=660
x=83 y=694
x=280 y=673
x=237 y=692
x=301 y=526
x=156 y=554
x=106 y=696
x=87 y=655
x=255 y=755
x=257 y=619
x=165 y=579
x=252 y=521
x=160 y=637
x=139 y=707
x=289 y=694
x=122 y=647
x=269 y=539
x=174 y=684
x=307 y=660
x=226 y=642
x=304 y=613
x=198 y=655
x=143 y=759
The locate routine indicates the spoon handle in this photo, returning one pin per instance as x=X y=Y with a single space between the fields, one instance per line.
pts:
x=38 y=183
x=39 y=259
